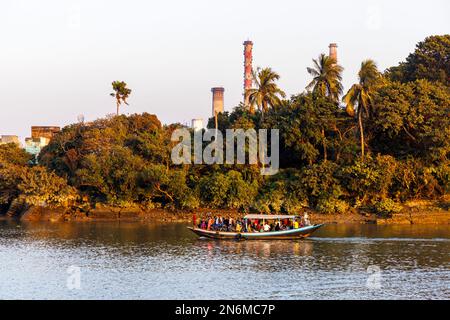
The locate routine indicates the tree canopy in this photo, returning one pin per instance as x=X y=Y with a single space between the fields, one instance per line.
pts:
x=399 y=121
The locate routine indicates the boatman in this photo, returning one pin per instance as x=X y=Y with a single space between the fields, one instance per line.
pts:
x=306 y=218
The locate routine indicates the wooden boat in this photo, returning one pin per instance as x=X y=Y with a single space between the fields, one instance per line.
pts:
x=299 y=233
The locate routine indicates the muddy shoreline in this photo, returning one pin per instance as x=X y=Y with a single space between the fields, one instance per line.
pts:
x=423 y=212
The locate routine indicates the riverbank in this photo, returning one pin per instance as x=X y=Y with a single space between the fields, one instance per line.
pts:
x=414 y=212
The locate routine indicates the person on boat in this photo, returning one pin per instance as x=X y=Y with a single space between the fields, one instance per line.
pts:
x=266 y=227
x=277 y=226
x=238 y=227
x=216 y=223
x=203 y=224
x=296 y=224
x=301 y=223
x=210 y=223
x=225 y=222
x=306 y=219
x=231 y=223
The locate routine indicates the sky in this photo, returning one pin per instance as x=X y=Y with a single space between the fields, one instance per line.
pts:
x=58 y=58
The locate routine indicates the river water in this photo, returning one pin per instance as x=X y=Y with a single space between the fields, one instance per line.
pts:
x=133 y=260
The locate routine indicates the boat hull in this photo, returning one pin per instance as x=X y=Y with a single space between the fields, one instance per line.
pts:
x=290 y=234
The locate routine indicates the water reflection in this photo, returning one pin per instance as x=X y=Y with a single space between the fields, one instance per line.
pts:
x=145 y=260
x=257 y=249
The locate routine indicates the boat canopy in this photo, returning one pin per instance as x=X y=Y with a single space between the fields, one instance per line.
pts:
x=268 y=216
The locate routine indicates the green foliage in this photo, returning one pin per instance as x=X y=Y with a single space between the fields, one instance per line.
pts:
x=429 y=61
x=327 y=77
x=332 y=205
x=241 y=193
x=267 y=94
x=111 y=175
x=9 y=181
x=228 y=190
x=368 y=180
x=33 y=184
x=387 y=207
x=39 y=187
x=168 y=187
x=412 y=119
x=213 y=189
x=121 y=93
x=400 y=121
x=282 y=192
x=321 y=184
x=360 y=97
x=11 y=153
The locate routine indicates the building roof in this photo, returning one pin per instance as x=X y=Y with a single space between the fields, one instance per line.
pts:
x=269 y=216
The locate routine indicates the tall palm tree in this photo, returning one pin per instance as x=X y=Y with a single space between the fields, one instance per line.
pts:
x=121 y=93
x=327 y=78
x=360 y=95
x=326 y=82
x=266 y=94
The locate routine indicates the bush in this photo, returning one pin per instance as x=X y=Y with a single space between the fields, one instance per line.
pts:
x=241 y=194
x=40 y=187
x=387 y=207
x=368 y=180
x=213 y=190
x=332 y=205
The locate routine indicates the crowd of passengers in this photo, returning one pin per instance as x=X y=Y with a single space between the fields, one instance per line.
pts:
x=219 y=223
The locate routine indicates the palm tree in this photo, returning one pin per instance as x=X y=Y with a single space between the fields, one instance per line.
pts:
x=267 y=94
x=360 y=95
x=121 y=93
x=326 y=82
x=326 y=78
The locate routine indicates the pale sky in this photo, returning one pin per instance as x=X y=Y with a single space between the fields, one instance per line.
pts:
x=58 y=58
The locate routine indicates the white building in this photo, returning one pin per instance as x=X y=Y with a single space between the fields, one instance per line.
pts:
x=35 y=145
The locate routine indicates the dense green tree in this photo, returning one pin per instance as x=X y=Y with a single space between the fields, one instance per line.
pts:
x=360 y=96
x=11 y=153
x=168 y=187
x=33 y=185
x=39 y=187
x=125 y=161
x=412 y=119
x=430 y=60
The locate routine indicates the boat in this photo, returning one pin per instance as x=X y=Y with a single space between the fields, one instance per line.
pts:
x=299 y=233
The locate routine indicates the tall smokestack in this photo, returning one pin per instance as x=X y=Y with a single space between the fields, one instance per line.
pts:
x=248 y=67
x=333 y=51
x=217 y=100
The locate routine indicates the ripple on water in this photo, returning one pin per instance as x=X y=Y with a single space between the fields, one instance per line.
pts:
x=138 y=261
